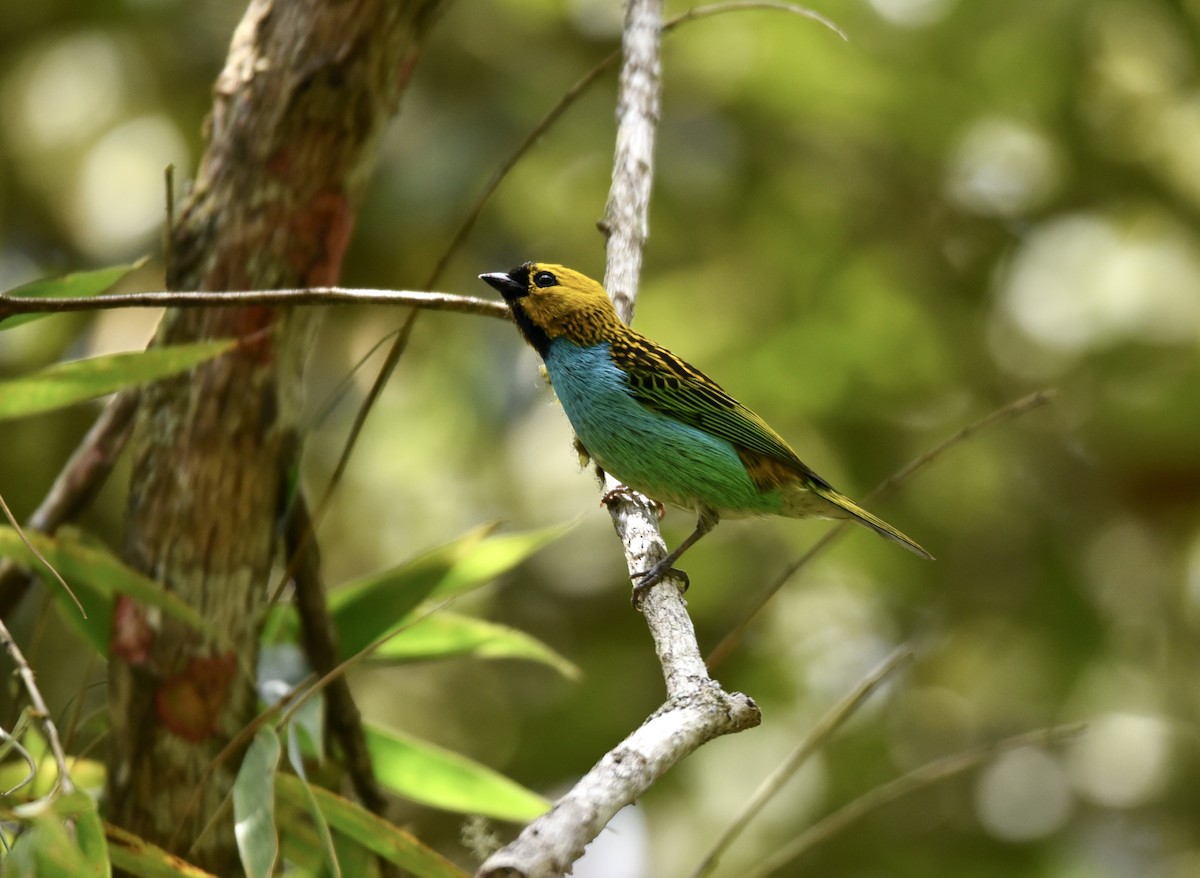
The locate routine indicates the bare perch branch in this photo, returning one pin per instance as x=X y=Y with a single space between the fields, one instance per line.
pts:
x=11 y=306
x=697 y=709
x=558 y=838
x=627 y=214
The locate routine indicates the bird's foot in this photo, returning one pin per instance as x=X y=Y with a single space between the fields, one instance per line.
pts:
x=616 y=494
x=652 y=577
x=628 y=493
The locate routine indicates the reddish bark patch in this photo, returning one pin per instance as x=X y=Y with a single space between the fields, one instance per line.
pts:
x=320 y=235
x=251 y=327
x=280 y=164
x=190 y=703
x=131 y=636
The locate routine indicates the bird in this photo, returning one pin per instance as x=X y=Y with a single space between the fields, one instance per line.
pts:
x=658 y=424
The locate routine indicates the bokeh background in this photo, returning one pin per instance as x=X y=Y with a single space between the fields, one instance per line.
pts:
x=874 y=242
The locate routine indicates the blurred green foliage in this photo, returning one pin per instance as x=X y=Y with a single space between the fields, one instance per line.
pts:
x=873 y=243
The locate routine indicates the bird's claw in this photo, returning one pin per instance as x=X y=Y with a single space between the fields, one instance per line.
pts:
x=616 y=494
x=647 y=579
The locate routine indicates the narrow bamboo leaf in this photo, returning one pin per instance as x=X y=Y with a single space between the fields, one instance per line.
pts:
x=81 y=284
x=303 y=851
x=137 y=856
x=89 y=834
x=56 y=830
x=447 y=634
x=435 y=776
x=379 y=836
x=96 y=576
x=366 y=609
x=299 y=846
x=306 y=732
x=254 y=805
x=281 y=668
x=495 y=557
x=295 y=732
x=45 y=848
x=65 y=384
x=68 y=806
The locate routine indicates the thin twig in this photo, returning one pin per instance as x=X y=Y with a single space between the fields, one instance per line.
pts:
x=169 y=225
x=305 y=296
x=294 y=699
x=395 y=352
x=76 y=486
x=287 y=706
x=40 y=712
x=334 y=398
x=348 y=663
x=919 y=778
x=493 y=183
x=828 y=724
x=573 y=93
x=698 y=12
x=360 y=418
x=38 y=555
x=14 y=742
x=320 y=644
x=76 y=706
x=1005 y=413
x=236 y=743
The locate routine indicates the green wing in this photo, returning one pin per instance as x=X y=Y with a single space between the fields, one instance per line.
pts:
x=666 y=384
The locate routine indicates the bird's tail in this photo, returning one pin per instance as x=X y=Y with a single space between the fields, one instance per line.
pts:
x=875 y=523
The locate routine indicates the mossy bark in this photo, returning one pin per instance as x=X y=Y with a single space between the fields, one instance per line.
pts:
x=305 y=93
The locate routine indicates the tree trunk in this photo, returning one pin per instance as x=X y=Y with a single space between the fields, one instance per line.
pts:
x=306 y=91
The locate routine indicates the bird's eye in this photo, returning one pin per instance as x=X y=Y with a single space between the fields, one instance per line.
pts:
x=544 y=279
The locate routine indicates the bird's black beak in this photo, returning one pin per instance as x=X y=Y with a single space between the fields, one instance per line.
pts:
x=509 y=286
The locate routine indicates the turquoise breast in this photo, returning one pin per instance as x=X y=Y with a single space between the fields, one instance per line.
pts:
x=662 y=458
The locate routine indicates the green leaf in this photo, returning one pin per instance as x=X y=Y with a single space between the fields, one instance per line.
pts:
x=81 y=284
x=374 y=833
x=96 y=576
x=495 y=557
x=447 y=634
x=65 y=384
x=62 y=836
x=254 y=805
x=138 y=857
x=89 y=834
x=45 y=848
x=325 y=843
x=306 y=729
x=364 y=610
x=435 y=776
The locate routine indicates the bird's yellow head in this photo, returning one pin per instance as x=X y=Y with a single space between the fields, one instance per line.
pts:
x=549 y=301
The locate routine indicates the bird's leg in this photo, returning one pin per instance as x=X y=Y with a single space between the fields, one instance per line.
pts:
x=706 y=521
